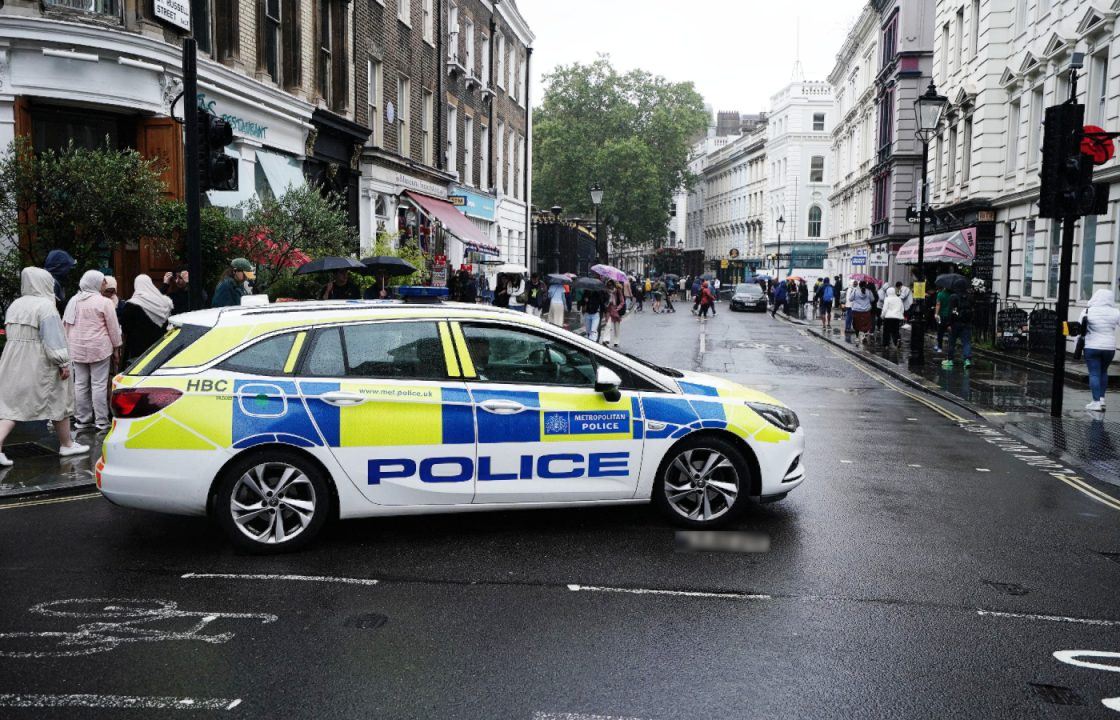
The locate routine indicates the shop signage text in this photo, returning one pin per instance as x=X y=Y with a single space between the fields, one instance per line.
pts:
x=878 y=259
x=176 y=12
x=458 y=200
x=859 y=260
x=475 y=205
x=241 y=126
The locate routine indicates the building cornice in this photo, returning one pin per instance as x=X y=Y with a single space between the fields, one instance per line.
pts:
x=509 y=12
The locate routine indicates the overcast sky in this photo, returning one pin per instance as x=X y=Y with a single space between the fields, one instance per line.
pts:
x=737 y=52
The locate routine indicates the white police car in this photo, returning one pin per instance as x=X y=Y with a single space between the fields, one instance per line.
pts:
x=274 y=419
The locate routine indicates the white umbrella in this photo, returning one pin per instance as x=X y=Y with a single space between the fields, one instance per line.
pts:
x=510 y=269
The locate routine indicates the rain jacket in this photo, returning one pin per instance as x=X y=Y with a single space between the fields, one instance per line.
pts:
x=1103 y=318
x=59 y=264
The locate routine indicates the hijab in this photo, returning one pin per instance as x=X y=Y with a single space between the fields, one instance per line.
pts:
x=155 y=304
x=59 y=264
x=89 y=286
x=1102 y=298
x=37 y=298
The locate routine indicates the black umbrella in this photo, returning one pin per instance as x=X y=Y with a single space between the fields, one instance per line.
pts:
x=556 y=279
x=329 y=264
x=589 y=283
x=673 y=277
x=951 y=281
x=387 y=265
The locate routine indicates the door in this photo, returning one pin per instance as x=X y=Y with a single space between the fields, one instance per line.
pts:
x=544 y=433
x=388 y=400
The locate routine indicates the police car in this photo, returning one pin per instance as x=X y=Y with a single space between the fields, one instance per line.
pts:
x=274 y=419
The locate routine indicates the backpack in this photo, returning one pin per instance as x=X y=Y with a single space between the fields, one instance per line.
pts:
x=961 y=305
x=826 y=294
x=648 y=285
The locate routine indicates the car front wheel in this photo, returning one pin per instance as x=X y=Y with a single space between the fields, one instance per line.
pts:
x=272 y=503
x=703 y=483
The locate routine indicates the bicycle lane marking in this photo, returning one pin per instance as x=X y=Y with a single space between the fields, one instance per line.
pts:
x=1073 y=657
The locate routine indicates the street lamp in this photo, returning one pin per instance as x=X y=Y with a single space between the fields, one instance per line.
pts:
x=556 y=212
x=780 y=223
x=928 y=109
x=596 y=200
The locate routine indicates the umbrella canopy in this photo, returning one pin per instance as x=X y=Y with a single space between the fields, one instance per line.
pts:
x=511 y=269
x=589 y=283
x=387 y=265
x=763 y=277
x=556 y=279
x=570 y=276
x=951 y=281
x=864 y=277
x=795 y=278
x=329 y=264
x=673 y=277
x=707 y=276
x=609 y=272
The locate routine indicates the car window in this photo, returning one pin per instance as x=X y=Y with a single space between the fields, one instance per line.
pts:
x=406 y=350
x=506 y=355
x=266 y=357
x=325 y=359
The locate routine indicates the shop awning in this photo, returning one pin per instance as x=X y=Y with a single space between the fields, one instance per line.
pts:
x=282 y=172
x=958 y=247
x=454 y=222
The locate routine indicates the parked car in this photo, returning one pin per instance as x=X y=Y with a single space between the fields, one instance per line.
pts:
x=748 y=296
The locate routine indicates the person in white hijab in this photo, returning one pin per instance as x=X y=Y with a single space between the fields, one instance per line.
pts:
x=144 y=317
x=94 y=336
x=35 y=365
x=1101 y=318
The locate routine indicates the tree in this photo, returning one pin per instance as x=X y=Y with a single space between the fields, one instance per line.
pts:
x=87 y=202
x=630 y=133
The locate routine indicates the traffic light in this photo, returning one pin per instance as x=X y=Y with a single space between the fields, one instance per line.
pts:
x=216 y=170
x=1067 y=173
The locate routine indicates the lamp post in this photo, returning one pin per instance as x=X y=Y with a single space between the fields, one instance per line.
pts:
x=780 y=223
x=596 y=200
x=927 y=111
x=556 y=211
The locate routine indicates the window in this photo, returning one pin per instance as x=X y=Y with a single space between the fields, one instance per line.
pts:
x=946 y=53
x=1013 y=135
x=974 y=45
x=468 y=150
x=485 y=61
x=404 y=117
x=1098 y=89
x=375 y=75
x=428 y=22
x=501 y=60
x=890 y=40
x=1034 y=131
x=886 y=124
x=1088 y=254
x=513 y=73
x=966 y=152
x=452 y=139
x=324 y=53
x=484 y=159
x=1028 y=258
x=404 y=11
x=521 y=79
x=267 y=357
x=939 y=155
x=499 y=141
x=818 y=122
x=958 y=38
x=1020 y=15
x=218 y=38
x=814 y=222
x=271 y=23
x=511 y=158
x=504 y=355
x=404 y=350
x=332 y=64
x=453 y=33
x=1055 y=258
x=427 y=137
x=951 y=175
x=468 y=30
x=816 y=169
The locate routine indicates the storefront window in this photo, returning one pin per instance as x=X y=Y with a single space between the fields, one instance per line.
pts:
x=1028 y=258
x=98 y=7
x=1055 y=258
x=55 y=128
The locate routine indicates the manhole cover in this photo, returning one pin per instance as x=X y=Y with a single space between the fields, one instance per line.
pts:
x=22 y=451
x=1007 y=588
x=367 y=621
x=1056 y=694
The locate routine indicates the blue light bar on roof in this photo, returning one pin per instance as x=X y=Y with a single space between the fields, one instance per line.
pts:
x=420 y=293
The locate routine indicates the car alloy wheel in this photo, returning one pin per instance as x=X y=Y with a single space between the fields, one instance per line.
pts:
x=701 y=484
x=272 y=503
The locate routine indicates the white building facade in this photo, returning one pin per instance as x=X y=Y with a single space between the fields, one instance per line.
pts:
x=734 y=193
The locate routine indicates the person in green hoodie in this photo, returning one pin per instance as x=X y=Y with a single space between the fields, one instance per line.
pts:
x=231 y=288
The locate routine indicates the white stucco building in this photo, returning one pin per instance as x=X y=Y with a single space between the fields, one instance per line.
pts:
x=734 y=182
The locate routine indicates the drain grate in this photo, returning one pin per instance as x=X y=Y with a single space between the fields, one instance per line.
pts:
x=367 y=621
x=1007 y=588
x=1056 y=694
x=22 y=451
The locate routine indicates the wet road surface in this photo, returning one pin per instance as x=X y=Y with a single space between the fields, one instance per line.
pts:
x=926 y=568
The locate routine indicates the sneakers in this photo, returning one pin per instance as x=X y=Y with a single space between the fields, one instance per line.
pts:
x=967 y=363
x=83 y=425
x=73 y=449
x=4 y=461
x=1095 y=406
x=102 y=427
x=937 y=348
x=947 y=364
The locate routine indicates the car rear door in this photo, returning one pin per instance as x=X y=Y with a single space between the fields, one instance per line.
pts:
x=389 y=399
x=544 y=433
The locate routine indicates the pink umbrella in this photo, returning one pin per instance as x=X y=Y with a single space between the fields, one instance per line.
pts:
x=863 y=277
x=608 y=272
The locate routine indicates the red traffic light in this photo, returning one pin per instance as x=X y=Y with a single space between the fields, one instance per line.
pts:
x=1097 y=145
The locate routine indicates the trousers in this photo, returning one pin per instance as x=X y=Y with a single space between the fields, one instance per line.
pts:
x=556 y=313
x=91 y=398
x=1098 y=362
x=591 y=323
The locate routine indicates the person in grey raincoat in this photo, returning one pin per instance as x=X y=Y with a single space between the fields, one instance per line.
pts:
x=35 y=366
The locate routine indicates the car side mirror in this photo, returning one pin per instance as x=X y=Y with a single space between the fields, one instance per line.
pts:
x=607 y=382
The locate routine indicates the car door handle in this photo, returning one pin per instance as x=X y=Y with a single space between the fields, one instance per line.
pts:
x=342 y=399
x=502 y=407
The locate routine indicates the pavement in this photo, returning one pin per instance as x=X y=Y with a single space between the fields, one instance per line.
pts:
x=931 y=566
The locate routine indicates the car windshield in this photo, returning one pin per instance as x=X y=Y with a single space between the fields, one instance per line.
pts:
x=663 y=370
x=747 y=289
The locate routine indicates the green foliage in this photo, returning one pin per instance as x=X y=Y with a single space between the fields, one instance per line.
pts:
x=217 y=232
x=389 y=244
x=629 y=132
x=87 y=202
x=11 y=265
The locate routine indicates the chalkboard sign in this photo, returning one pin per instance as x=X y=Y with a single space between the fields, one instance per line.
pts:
x=1012 y=327
x=1043 y=327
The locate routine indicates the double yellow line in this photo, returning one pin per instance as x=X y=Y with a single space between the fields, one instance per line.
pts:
x=50 y=501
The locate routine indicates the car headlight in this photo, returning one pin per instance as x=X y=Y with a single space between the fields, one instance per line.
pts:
x=778 y=416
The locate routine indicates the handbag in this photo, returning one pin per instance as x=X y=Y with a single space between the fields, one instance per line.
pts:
x=1082 y=328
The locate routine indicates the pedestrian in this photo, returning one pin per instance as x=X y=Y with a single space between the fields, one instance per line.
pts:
x=960 y=327
x=907 y=297
x=534 y=295
x=802 y=298
x=176 y=285
x=658 y=293
x=341 y=287
x=781 y=299
x=35 y=366
x=848 y=325
x=876 y=305
x=838 y=292
x=591 y=305
x=893 y=315
x=628 y=292
x=470 y=288
x=59 y=264
x=823 y=298
x=616 y=308
x=517 y=291
x=231 y=288
x=556 y=304
x=683 y=286
x=707 y=300
x=669 y=289
x=94 y=337
x=110 y=292
x=1101 y=320
x=861 y=303
x=639 y=296
x=143 y=318
x=501 y=292
x=696 y=285
x=941 y=314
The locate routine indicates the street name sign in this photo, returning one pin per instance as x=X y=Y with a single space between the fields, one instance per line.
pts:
x=175 y=12
x=859 y=260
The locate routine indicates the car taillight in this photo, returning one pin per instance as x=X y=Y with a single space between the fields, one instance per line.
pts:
x=141 y=402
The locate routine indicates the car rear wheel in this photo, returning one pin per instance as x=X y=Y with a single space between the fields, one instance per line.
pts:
x=703 y=483
x=272 y=503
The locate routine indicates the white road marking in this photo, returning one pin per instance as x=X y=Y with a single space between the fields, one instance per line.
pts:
x=1112 y=703
x=295 y=578
x=1070 y=657
x=982 y=470
x=915 y=465
x=50 y=501
x=538 y=715
x=1052 y=618
x=676 y=593
x=124 y=702
x=847 y=462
